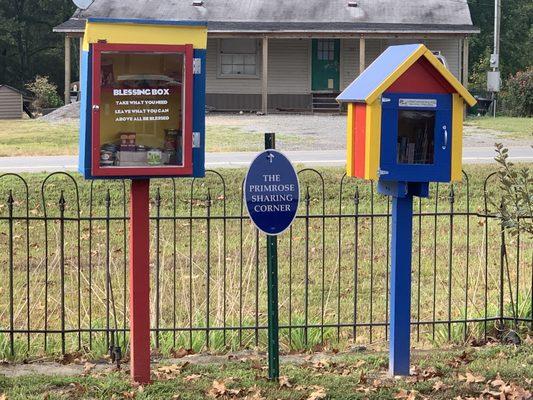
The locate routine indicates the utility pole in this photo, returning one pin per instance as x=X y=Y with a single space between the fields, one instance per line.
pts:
x=493 y=78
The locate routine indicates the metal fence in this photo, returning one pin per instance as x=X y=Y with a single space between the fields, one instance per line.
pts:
x=64 y=265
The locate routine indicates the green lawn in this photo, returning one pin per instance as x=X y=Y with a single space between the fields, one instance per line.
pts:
x=490 y=372
x=233 y=269
x=40 y=138
x=37 y=138
x=519 y=128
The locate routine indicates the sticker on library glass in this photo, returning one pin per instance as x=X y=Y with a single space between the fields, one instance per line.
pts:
x=418 y=103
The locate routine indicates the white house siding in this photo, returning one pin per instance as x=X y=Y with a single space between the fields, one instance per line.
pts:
x=217 y=84
x=289 y=76
x=10 y=104
x=450 y=49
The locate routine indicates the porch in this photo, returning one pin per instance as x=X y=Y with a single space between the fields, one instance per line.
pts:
x=267 y=73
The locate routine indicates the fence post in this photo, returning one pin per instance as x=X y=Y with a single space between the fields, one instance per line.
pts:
x=62 y=205
x=10 y=203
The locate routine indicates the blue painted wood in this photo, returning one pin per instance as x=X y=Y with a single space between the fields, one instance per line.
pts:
x=377 y=72
x=400 y=297
x=440 y=170
x=198 y=154
x=84 y=157
x=146 y=21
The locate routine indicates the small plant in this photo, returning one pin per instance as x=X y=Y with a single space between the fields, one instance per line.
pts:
x=516 y=194
x=45 y=93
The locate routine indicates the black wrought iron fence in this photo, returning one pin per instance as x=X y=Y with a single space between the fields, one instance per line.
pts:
x=64 y=265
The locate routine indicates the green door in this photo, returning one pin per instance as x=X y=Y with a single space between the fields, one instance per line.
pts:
x=326 y=64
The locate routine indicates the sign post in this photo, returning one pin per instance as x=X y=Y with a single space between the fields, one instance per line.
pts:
x=272 y=283
x=140 y=280
x=272 y=194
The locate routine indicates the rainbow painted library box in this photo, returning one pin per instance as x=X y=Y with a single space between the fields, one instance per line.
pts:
x=143 y=99
x=405 y=119
x=405 y=128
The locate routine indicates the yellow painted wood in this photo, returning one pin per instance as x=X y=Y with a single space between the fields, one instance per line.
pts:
x=457 y=138
x=349 y=140
x=452 y=80
x=422 y=51
x=373 y=140
x=387 y=82
x=128 y=33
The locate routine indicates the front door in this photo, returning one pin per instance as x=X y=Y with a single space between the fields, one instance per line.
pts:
x=326 y=65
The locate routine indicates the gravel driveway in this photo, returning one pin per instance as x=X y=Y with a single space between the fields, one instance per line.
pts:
x=328 y=132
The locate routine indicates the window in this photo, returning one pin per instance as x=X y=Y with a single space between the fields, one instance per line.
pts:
x=326 y=50
x=238 y=57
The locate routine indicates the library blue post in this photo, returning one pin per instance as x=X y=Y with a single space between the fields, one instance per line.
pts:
x=400 y=306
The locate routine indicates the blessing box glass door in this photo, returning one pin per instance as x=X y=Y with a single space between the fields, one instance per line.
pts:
x=142 y=110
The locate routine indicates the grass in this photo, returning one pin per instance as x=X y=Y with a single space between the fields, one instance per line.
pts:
x=234 y=265
x=510 y=127
x=442 y=374
x=39 y=138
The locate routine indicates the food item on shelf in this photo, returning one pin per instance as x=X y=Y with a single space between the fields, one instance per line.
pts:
x=155 y=157
x=108 y=153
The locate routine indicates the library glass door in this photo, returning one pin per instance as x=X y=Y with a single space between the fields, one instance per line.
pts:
x=416 y=137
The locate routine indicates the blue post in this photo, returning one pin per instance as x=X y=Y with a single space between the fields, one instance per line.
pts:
x=400 y=303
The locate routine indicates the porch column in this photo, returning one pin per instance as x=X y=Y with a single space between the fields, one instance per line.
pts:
x=264 y=86
x=362 y=54
x=464 y=73
x=67 y=69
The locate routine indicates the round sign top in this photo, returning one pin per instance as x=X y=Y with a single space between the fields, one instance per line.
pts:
x=272 y=192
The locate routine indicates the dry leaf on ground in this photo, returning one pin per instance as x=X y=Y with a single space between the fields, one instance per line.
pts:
x=284 y=382
x=88 y=367
x=318 y=393
x=192 y=378
x=407 y=395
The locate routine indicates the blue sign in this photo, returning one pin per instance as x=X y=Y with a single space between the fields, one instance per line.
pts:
x=272 y=192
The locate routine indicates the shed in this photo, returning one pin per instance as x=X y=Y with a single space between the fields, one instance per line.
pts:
x=405 y=79
x=11 y=102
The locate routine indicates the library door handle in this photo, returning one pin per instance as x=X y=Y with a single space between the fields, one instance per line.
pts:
x=445 y=132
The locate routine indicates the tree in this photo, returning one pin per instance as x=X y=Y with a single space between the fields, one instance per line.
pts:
x=516 y=37
x=28 y=47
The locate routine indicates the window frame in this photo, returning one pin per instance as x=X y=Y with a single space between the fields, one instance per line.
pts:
x=258 y=66
x=187 y=113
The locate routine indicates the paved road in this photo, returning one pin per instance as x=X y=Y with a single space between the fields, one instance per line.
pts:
x=477 y=155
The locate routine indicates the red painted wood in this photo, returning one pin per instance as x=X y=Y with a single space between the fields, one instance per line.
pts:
x=421 y=77
x=127 y=172
x=359 y=149
x=140 y=281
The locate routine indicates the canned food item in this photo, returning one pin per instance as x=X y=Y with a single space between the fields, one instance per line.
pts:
x=106 y=155
x=172 y=139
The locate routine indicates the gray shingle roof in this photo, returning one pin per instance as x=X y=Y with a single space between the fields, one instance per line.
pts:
x=290 y=15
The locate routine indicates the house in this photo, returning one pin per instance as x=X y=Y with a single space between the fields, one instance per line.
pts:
x=11 y=102
x=298 y=54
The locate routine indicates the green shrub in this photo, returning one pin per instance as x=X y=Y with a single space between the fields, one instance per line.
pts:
x=517 y=96
x=45 y=93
